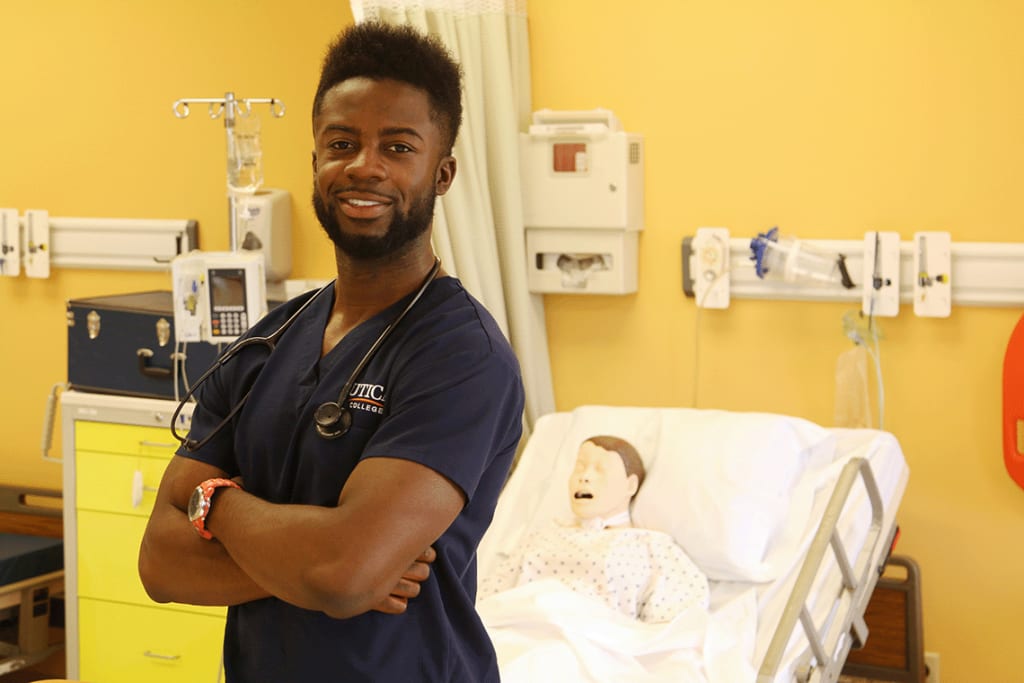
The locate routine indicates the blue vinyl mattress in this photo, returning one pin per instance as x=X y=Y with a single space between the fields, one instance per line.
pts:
x=24 y=557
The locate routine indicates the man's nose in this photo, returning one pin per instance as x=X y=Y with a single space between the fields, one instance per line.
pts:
x=367 y=163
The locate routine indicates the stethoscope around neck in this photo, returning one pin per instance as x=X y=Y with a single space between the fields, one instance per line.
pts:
x=331 y=419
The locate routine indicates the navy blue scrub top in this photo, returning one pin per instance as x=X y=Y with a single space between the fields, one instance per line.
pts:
x=445 y=391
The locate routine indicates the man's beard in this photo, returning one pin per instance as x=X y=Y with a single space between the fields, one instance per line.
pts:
x=402 y=230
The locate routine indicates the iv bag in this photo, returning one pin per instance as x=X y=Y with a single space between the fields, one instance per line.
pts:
x=853 y=406
x=245 y=156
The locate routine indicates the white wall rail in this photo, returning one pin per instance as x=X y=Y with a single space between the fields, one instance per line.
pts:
x=980 y=273
x=100 y=243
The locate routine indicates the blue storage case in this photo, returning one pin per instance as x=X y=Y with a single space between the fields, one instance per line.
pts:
x=124 y=344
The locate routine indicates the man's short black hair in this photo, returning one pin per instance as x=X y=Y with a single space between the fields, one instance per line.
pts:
x=401 y=53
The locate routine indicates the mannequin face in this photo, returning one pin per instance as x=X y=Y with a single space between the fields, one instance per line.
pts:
x=598 y=486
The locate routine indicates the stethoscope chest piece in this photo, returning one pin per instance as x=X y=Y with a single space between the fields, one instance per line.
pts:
x=331 y=420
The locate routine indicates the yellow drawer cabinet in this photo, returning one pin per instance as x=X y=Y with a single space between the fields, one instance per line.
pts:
x=122 y=484
x=115 y=451
x=129 y=644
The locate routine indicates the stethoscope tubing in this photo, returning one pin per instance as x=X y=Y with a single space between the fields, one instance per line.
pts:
x=332 y=419
x=324 y=427
x=270 y=341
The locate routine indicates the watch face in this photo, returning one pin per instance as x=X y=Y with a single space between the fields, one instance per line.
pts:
x=197 y=504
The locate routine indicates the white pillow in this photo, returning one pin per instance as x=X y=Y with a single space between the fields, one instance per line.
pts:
x=723 y=484
x=734 y=489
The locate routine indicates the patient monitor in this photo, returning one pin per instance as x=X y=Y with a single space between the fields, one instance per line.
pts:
x=217 y=295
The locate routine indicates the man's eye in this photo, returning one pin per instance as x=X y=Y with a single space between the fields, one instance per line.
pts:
x=340 y=144
x=400 y=147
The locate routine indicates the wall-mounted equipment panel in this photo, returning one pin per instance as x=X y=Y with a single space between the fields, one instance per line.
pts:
x=583 y=202
x=978 y=274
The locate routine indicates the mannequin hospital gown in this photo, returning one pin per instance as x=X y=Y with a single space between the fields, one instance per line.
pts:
x=642 y=573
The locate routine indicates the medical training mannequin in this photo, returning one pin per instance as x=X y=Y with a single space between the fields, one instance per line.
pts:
x=607 y=474
x=640 y=572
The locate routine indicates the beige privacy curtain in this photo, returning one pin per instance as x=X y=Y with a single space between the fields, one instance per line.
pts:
x=478 y=225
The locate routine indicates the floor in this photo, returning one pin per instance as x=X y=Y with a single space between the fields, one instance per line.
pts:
x=49 y=668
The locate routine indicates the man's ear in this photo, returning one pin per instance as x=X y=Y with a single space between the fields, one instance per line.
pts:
x=314 y=163
x=634 y=484
x=445 y=175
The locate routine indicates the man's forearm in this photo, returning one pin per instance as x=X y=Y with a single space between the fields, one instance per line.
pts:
x=344 y=559
x=290 y=552
x=176 y=565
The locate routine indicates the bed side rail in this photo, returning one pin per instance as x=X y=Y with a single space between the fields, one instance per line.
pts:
x=30 y=501
x=829 y=649
x=32 y=511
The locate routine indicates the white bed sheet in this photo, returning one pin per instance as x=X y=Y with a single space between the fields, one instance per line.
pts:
x=545 y=632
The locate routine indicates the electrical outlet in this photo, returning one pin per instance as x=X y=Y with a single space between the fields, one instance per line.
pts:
x=931 y=661
x=710 y=267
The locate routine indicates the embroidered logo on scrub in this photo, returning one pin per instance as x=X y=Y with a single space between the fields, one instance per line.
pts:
x=367 y=397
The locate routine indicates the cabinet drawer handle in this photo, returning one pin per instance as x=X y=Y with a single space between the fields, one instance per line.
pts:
x=156 y=444
x=138 y=488
x=156 y=655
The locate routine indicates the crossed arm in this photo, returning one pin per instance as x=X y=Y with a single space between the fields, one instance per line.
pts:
x=366 y=553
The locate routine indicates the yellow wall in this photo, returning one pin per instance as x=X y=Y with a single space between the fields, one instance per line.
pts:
x=86 y=129
x=827 y=119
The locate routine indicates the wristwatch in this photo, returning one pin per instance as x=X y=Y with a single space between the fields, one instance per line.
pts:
x=199 y=503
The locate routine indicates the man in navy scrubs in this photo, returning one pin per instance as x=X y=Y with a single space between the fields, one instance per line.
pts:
x=353 y=557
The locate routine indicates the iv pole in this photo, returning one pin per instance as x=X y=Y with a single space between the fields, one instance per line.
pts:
x=230 y=107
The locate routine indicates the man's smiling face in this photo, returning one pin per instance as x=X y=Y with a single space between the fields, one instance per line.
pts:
x=378 y=166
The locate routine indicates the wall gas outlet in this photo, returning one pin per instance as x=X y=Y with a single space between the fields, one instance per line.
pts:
x=10 y=243
x=932 y=263
x=36 y=251
x=710 y=267
x=881 y=294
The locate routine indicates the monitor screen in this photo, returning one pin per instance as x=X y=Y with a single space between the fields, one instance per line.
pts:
x=227 y=289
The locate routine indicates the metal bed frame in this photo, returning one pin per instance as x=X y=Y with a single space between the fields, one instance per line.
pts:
x=830 y=643
x=31 y=596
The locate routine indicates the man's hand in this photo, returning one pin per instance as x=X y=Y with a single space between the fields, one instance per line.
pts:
x=409 y=585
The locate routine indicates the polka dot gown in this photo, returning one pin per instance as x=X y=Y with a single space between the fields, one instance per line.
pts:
x=641 y=573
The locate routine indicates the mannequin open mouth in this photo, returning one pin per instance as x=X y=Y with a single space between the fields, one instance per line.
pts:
x=583 y=495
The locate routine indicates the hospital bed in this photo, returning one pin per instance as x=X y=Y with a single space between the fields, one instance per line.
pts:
x=31 y=573
x=791 y=522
